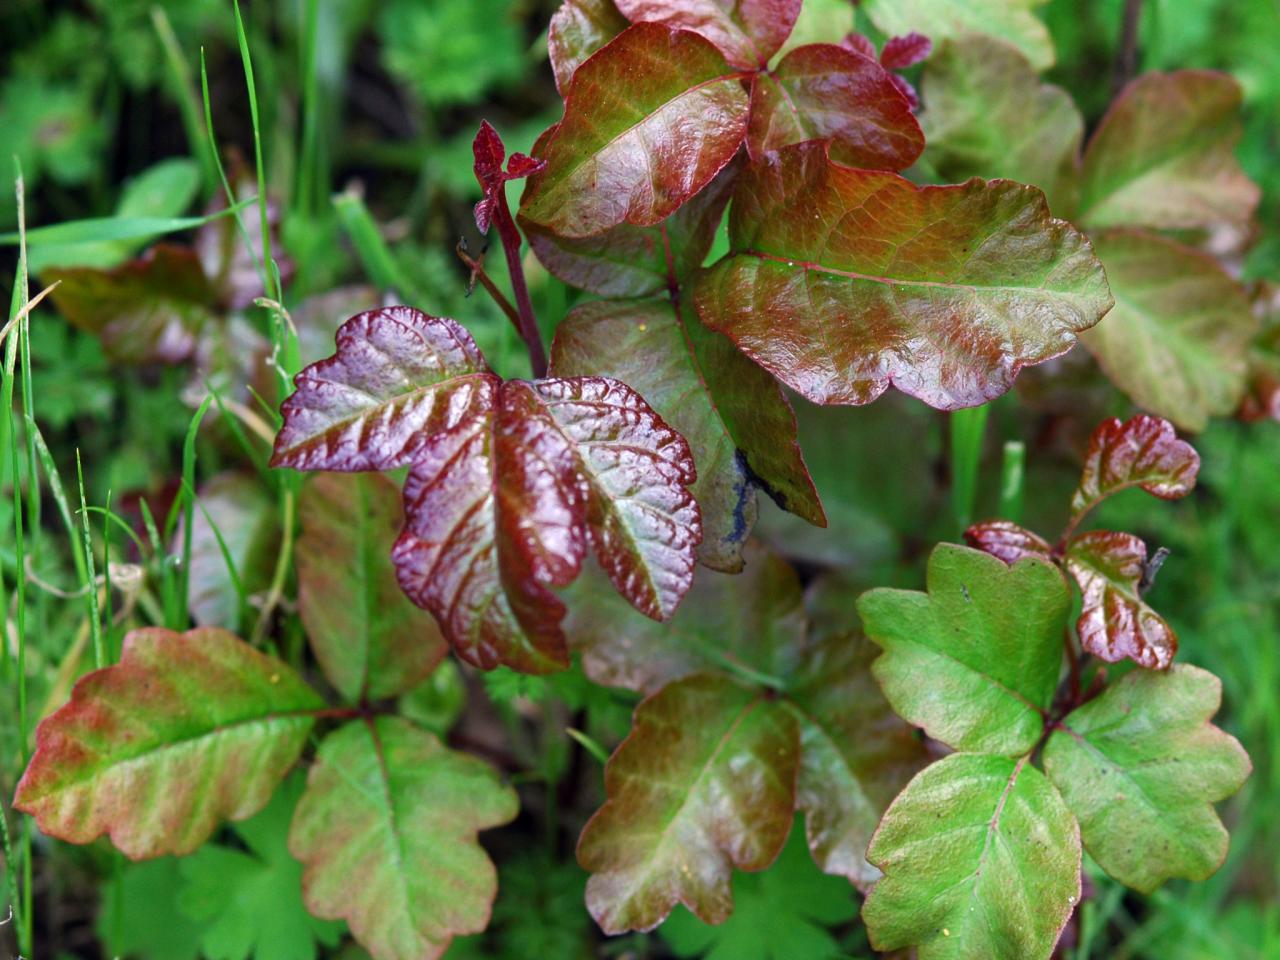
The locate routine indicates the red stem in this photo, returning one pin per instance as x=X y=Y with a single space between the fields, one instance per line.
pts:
x=528 y=324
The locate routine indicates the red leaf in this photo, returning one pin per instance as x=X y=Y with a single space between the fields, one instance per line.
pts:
x=826 y=92
x=578 y=29
x=1115 y=623
x=748 y=32
x=841 y=282
x=397 y=373
x=902 y=52
x=859 y=43
x=1142 y=452
x=636 y=157
x=1007 y=540
x=502 y=507
x=490 y=152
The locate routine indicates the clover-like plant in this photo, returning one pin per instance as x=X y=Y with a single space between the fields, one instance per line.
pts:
x=604 y=506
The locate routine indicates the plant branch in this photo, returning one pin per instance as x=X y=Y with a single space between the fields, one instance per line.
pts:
x=476 y=266
x=526 y=323
x=1127 y=55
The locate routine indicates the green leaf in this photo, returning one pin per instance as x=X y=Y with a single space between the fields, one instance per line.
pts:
x=988 y=115
x=975 y=660
x=1164 y=156
x=370 y=640
x=981 y=858
x=141 y=917
x=1177 y=341
x=704 y=783
x=386 y=832
x=249 y=902
x=185 y=731
x=739 y=425
x=1141 y=767
x=1013 y=21
x=856 y=755
x=782 y=914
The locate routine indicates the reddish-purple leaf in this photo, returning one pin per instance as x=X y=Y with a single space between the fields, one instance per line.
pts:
x=1008 y=541
x=748 y=32
x=737 y=421
x=371 y=642
x=502 y=507
x=1115 y=623
x=186 y=731
x=232 y=265
x=632 y=261
x=827 y=92
x=842 y=282
x=149 y=310
x=650 y=119
x=859 y=43
x=1141 y=452
x=906 y=51
x=1164 y=156
x=704 y=783
x=578 y=29
x=490 y=152
x=397 y=375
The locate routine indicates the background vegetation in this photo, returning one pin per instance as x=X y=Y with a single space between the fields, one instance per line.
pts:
x=366 y=112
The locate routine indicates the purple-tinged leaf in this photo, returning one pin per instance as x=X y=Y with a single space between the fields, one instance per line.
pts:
x=149 y=310
x=629 y=261
x=704 y=783
x=981 y=858
x=827 y=92
x=234 y=267
x=754 y=619
x=578 y=29
x=842 y=282
x=371 y=642
x=899 y=53
x=1178 y=340
x=747 y=32
x=502 y=507
x=1008 y=541
x=186 y=731
x=1141 y=767
x=1164 y=156
x=1115 y=622
x=975 y=660
x=386 y=832
x=398 y=374
x=490 y=154
x=650 y=119
x=736 y=419
x=1144 y=452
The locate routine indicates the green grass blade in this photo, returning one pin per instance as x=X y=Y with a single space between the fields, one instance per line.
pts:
x=91 y=577
x=967 y=429
x=98 y=229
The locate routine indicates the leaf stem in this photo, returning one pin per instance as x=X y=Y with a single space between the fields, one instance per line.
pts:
x=526 y=323
x=478 y=274
x=1127 y=55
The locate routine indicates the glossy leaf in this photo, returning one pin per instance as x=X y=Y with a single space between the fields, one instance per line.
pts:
x=1178 y=339
x=386 y=832
x=754 y=619
x=747 y=32
x=578 y=29
x=1013 y=21
x=738 y=423
x=1141 y=767
x=397 y=374
x=828 y=92
x=1115 y=623
x=856 y=755
x=974 y=661
x=841 y=282
x=1164 y=156
x=649 y=121
x=704 y=783
x=1008 y=541
x=1143 y=452
x=503 y=506
x=981 y=858
x=899 y=53
x=370 y=641
x=149 y=310
x=629 y=261
x=987 y=114
x=490 y=155
x=186 y=731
